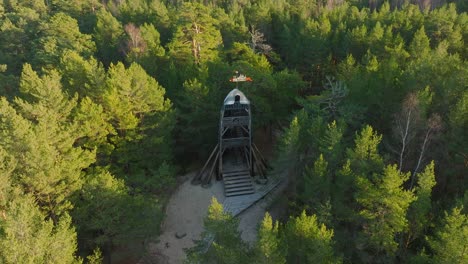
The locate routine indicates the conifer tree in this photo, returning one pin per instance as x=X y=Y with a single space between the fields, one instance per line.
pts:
x=27 y=237
x=449 y=242
x=57 y=35
x=419 y=212
x=419 y=46
x=365 y=158
x=41 y=136
x=121 y=215
x=221 y=241
x=196 y=39
x=331 y=144
x=384 y=204
x=109 y=35
x=269 y=248
x=144 y=47
x=316 y=184
x=142 y=118
x=308 y=241
x=83 y=76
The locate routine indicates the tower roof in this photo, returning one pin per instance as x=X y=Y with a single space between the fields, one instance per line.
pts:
x=231 y=97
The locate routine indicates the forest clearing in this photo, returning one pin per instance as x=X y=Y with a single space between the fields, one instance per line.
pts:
x=184 y=217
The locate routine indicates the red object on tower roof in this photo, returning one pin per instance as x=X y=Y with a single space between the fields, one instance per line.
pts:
x=240 y=78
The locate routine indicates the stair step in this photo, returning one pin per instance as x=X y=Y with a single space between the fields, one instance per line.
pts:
x=237 y=184
x=247 y=178
x=237 y=178
x=234 y=177
x=232 y=173
x=236 y=189
x=240 y=193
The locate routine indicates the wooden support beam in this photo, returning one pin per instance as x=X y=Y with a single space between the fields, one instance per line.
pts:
x=247 y=156
x=206 y=181
x=245 y=129
x=258 y=165
x=261 y=156
x=224 y=131
x=200 y=173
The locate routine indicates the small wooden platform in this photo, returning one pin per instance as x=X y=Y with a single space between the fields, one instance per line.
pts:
x=237 y=204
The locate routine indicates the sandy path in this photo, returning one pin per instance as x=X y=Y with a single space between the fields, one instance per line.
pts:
x=185 y=212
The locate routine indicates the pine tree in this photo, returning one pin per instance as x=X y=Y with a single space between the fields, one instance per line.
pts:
x=121 y=215
x=269 y=248
x=131 y=94
x=419 y=47
x=144 y=46
x=384 y=204
x=27 y=237
x=19 y=28
x=143 y=120
x=419 y=212
x=196 y=39
x=41 y=136
x=365 y=158
x=342 y=193
x=449 y=243
x=83 y=76
x=221 y=241
x=308 y=242
x=331 y=144
x=108 y=35
x=316 y=184
x=7 y=166
x=57 y=35
x=199 y=120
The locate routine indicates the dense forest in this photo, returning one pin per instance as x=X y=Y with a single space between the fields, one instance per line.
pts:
x=103 y=102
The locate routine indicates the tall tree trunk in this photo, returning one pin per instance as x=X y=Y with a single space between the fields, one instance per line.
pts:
x=404 y=140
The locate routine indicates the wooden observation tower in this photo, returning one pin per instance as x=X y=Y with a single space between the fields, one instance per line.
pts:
x=235 y=159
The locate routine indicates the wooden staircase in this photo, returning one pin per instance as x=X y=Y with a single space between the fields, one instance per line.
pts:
x=238 y=183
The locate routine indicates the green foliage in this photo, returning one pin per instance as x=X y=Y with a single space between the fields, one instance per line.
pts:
x=316 y=183
x=41 y=136
x=95 y=258
x=198 y=117
x=268 y=248
x=26 y=237
x=120 y=214
x=365 y=158
x=384 y=204
x=221 y=241
x=196 y=39
x=419 y=212
x=308 y=242
x=449 y=242
x=144 y=46
x=330 y=143
x=419 y=47
x=82 y=76
x=143 y=121
x=75 y=117
x=108 y=35
x=58 y=35
x=343 y=192
x=130 y=93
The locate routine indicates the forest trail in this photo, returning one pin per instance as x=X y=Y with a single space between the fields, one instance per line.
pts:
x=184 y=215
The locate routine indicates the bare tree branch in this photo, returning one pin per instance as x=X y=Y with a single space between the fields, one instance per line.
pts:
x=434 y=125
